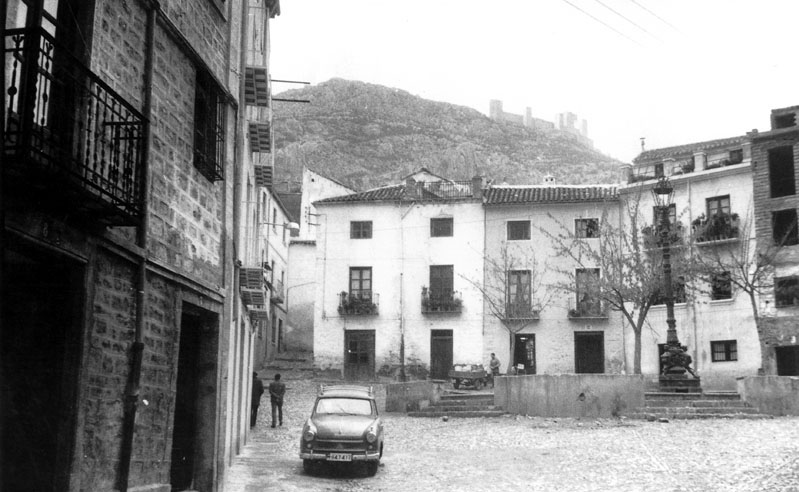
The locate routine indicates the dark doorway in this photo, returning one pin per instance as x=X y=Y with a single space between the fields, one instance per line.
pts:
x=195 y=402
x=440 y=353
x=40 y=348
x=589 y=352
x=524 y=354
x=788 y=360
x=359 y=359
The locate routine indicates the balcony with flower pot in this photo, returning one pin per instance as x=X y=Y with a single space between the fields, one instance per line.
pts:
x=441 y=301
x=519 y=310
x=587 y=308
x=358 y=303
x=718 y=228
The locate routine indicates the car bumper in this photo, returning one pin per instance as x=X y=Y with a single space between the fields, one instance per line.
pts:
x=355 y=456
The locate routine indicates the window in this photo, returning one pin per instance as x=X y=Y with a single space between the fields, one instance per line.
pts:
x=736 y=156
x=587 y=290
x=361 y=282
x=784 y=227
x=786 y=291
x=441 y=283
x=519 y=293
x=781 y=171
x=677 y=290
x=441 y=227
x=586 y=228
x=720 y=286
x=209 y=127
x=274 y=219
x=718 y=205
x=361 y=229
x=659 y=170
x=784 y=121
x=725 y=350
x=518 y=230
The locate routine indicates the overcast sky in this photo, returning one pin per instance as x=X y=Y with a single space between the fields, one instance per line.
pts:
x=673 y=71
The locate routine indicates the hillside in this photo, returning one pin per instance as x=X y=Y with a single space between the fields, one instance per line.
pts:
x=367 y=135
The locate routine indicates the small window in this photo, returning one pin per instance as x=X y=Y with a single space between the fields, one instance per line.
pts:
x=209 y=127
x=786 y=291
x=361 y=229
x=736 y=156
x=724 y=351
x=659 y=170
x=441 y=281
x=784 y=121
x=721 y=286
x=718 y=205
x=586 y=228
x=784 y=227
x=518 y=230
x=781 y=174
x=441 y=227
x=361 y=282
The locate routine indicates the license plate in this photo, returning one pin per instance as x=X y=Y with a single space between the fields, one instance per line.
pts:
x=339 y=457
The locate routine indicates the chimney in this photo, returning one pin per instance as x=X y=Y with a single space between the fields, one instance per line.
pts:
x=477 y=187
x=549 y=180
x=411 y=190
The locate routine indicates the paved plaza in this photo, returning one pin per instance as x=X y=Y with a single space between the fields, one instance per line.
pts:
x=532 y=454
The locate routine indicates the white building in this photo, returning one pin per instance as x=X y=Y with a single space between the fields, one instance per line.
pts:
x=398 y=267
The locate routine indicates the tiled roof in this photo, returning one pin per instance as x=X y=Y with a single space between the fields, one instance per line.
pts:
x=386 y=193
x=687 y=148
x=502 y=195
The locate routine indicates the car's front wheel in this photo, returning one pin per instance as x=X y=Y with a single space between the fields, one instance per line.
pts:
x=371 y=467
x=307 y=465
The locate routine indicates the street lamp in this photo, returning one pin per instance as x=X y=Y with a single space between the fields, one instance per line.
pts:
x=676 y=360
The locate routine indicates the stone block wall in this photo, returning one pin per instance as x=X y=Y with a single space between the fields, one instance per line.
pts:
x=774 y=395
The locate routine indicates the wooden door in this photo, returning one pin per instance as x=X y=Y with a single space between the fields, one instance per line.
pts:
x=440 y=353
x=359 y=355
x=589 y=352
x=524 y=353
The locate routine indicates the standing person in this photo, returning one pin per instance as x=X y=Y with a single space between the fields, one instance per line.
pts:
x=276 y=391
x=257 y=391
x=494 y=366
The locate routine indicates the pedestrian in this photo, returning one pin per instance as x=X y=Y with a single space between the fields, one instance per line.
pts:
x=276 y=391
x=257 y=391
x=494 y=366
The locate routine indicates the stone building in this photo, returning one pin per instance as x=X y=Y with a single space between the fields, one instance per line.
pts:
x=397 y=267
x=713 y=212
x=127 y=334
x=775 y=154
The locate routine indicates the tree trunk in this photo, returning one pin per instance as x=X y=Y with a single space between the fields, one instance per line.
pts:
x=760 y=336
x=511 y=334
x=637 y=352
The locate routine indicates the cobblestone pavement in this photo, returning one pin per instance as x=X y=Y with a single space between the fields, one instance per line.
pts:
x=521 y=453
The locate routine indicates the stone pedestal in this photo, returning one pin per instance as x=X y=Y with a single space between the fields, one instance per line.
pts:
x=679 y=383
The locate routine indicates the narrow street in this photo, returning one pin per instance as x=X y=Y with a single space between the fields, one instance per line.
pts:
x=521 y=453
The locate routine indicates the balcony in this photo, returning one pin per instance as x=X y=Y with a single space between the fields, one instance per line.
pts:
x=70 y=140
x=253 y=297
x=361 y=303
x=587 y=309
x=718 y=228
x=435 y=301
x=521 y=311
x=251 y=278
x=277 y=292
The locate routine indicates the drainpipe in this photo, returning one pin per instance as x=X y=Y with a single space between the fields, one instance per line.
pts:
x=137 y=347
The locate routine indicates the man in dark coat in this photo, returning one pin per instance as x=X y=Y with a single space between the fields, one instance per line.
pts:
x=257 y=391
x=276 y=391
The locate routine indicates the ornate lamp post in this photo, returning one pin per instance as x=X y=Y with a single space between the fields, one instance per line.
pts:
x=676 y=360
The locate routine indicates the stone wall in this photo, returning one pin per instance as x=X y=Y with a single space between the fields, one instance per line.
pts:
x=774 y=395
x=569 y=395
x=416 y=395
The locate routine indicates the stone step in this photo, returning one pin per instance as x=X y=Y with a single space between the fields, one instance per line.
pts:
x=459 y=408
x=688 y=416
x=468 y=396
x=698 y=410
x=707 y=395
x=475 y=401
x=696 y=403
x=469 y=414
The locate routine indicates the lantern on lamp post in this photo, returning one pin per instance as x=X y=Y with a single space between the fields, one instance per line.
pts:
x=675 y=359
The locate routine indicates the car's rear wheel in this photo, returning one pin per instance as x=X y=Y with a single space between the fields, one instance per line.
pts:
x=456 y=384
x=371 y=467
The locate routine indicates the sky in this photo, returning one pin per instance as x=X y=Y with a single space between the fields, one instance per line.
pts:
x=672 y=71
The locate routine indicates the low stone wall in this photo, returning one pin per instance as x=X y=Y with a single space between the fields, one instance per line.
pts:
x=415 y=395
x=774 y=395
x=569 y=395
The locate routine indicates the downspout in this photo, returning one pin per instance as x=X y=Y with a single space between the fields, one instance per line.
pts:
x=137 y=347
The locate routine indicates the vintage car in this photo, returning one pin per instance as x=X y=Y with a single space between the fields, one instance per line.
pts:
x=343 y=427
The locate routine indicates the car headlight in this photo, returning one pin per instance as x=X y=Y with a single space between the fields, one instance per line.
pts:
x=310 y=432
x=371 y=435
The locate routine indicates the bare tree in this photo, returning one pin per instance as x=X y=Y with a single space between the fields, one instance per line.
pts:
x=725 y=248
x=629 y=261
x=513 y=291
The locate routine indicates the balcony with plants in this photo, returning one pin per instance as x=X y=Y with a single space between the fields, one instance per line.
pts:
x=653 y=238
x=358 y=303
x=441 y=301
x=520 y=310
x=720 y=227
x=587 y=308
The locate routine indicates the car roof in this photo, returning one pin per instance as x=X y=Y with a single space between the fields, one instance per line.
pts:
x=345 y=390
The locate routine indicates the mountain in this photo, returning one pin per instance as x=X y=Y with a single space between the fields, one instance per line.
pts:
x=367 y=135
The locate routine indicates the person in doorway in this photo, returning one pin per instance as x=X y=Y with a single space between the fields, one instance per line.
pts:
x=257 y=391
x=494 y=366
x=276 y=391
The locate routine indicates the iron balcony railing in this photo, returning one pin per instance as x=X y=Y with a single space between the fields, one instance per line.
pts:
x=587 y=308
x=521 y=310
x=441 y=301
x=434 y=190
x=717 y=227
x=68 y=133
x=358 y=303
x=277 y=292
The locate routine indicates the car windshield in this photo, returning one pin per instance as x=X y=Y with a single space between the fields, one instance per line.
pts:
x=348 y=406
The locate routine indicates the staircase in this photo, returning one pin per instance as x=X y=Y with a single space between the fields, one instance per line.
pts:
x=706 y=405
x=462 y=404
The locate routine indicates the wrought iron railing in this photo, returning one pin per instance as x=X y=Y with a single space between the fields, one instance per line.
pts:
x=362 y=302
x=445 y=189
x=587 y=308
x=277 y=292
x=66 y=126
x=441 y=301
x=717 y=227
x=521 y=310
